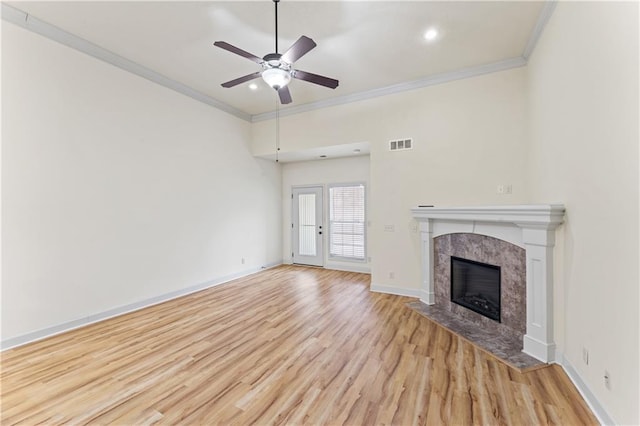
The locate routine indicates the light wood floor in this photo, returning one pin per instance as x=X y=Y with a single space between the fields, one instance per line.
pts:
x=290 y=345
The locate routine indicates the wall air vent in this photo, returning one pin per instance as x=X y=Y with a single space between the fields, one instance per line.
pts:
x=400 y=144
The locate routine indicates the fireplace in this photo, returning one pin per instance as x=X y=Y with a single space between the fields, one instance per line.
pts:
x=529 y=227
x=476 y=286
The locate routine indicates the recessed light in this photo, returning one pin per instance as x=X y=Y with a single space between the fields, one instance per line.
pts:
x=356 y=150
x=431 y=34
x=323 y=156
x=253 y=86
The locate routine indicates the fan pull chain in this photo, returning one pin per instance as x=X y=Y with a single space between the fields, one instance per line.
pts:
x=277 y=129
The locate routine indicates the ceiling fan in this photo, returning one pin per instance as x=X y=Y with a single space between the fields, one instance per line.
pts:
x=277 y=69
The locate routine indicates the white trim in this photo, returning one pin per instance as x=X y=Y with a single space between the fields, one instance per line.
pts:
x=537 y=349
x=397 y=291
x=397 y=88
x=531 y=226
x=426 y=297
x=363 y=269
x=541 y=23
x=81 y=322
x=522 y=215
x=294 y=220
x=31 y=23
x=598 y=410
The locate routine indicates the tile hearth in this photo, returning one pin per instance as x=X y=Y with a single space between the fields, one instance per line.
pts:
x=507 y=347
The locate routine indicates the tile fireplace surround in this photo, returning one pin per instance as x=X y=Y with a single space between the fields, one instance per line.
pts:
x=531 y=227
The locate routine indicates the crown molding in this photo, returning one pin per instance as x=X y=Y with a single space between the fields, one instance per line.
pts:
x=31 y=23
x=397 y=88
x=541 y=23
x=24 y=20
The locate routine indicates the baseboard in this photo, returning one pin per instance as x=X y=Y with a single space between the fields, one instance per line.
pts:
x=398 y=291
x=364 y=269
x=545 y=352
x=81 y=322
x=428 y=298
x=598 y=410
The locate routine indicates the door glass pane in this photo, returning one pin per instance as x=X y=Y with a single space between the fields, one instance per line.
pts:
x=307 y=224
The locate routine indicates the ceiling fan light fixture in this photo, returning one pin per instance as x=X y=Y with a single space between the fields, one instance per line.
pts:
x=277 y=78
x=277 y=69
x=431 y=34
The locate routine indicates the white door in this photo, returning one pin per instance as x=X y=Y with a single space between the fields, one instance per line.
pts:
x=307 y=226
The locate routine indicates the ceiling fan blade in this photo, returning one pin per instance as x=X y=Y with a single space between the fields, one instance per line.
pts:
x=285 y=95
x=315 y=78
x=241 y=79
x=231 y=48
x=298 y=49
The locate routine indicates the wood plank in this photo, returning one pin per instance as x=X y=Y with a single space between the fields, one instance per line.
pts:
x=290 y=345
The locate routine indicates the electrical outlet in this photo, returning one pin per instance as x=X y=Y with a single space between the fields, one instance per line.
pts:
x=504 y=189
x=242 y=261
x=389 y=228
x=585 y=355
x=392 y=275
x=607 y=380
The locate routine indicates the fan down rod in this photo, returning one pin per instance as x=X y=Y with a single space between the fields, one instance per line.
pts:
x=276 y=4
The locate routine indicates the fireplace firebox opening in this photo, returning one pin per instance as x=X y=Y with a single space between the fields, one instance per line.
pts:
x=476 y=286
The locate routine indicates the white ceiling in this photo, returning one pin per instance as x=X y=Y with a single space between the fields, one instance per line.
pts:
x=367 y=45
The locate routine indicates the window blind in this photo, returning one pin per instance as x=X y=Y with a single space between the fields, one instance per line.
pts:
x=347 y=221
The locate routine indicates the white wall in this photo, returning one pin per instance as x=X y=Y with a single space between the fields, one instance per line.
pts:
x=469 y=136
x=323 y=172
x=116 y=190
x=583 y=100
x=564 y=129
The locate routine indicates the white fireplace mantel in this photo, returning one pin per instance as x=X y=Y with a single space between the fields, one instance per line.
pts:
x=531 y=227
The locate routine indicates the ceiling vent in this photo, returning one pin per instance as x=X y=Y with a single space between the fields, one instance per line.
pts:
x=400 y=144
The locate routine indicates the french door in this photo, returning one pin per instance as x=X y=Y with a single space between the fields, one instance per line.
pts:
x=307 y=226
